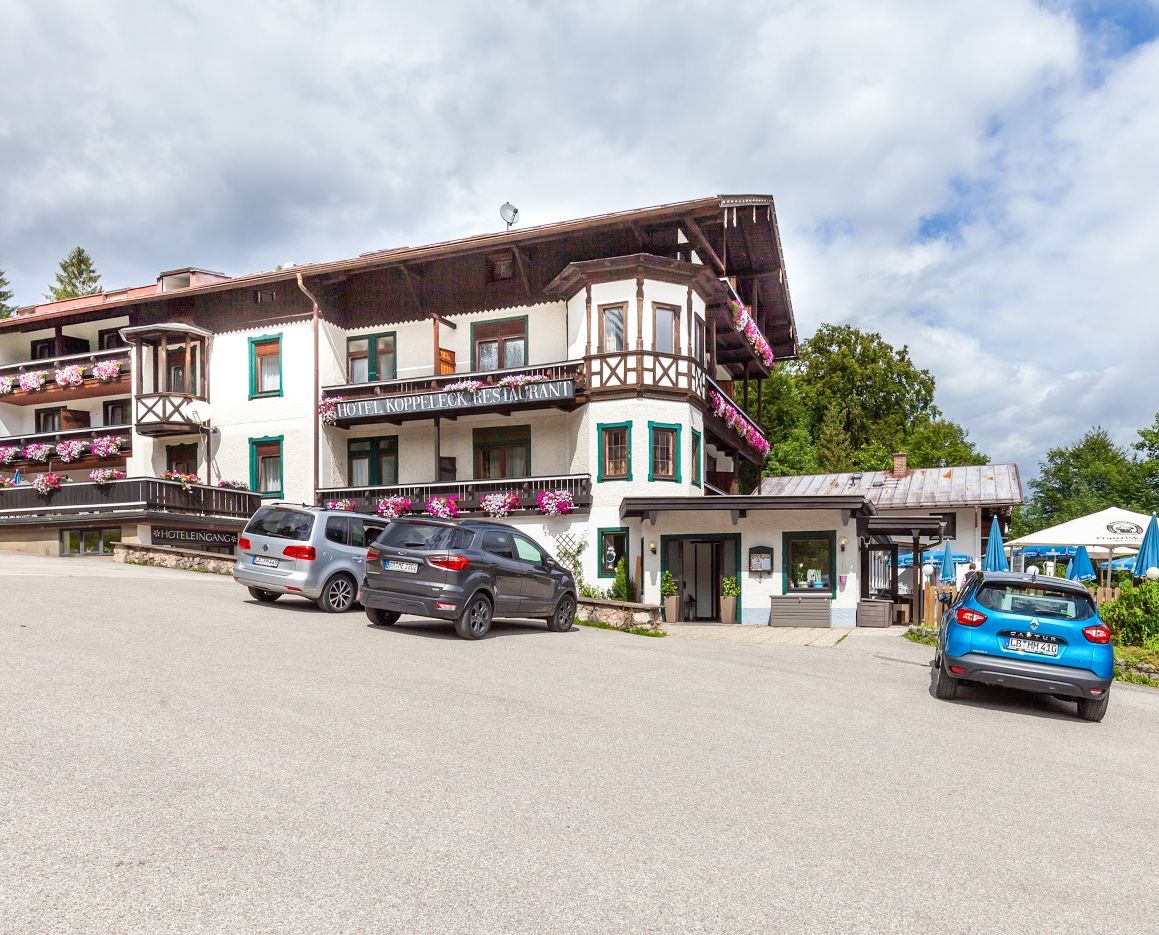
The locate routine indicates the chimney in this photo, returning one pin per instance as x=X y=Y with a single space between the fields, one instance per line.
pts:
x=900 y=464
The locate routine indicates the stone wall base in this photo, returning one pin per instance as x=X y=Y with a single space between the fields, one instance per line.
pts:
x=164 y=557
x=619 y=614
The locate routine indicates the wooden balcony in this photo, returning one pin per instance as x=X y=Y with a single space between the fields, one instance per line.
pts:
x=721 y=483
x=86 y=461
x=732 y=437
x=468 y=492
x=159 y=414
x=555 y=385
x=135 y=498
x=645 y=373
x=53 y=392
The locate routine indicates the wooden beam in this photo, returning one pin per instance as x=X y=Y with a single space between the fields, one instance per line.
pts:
x=521 y=264
x=701 y=244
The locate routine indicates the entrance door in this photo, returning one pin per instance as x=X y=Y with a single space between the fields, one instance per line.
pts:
x=706 y=580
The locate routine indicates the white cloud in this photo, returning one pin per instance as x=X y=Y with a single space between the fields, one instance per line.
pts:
x=244 y=134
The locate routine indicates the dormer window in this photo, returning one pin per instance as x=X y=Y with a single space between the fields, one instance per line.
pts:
x=500 y=266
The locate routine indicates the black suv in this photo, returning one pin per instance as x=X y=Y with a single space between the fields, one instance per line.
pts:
x=468 y=572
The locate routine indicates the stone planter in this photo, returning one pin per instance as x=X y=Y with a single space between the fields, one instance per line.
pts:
x=671 y=609
x=728 y=610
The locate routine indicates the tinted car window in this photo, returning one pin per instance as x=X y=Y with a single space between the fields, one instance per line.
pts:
x=280 y=523
x=363 y=533
x=498 y=543
x=338 y=530
x=425 y=536
x=528 y=550
x=1036 y=601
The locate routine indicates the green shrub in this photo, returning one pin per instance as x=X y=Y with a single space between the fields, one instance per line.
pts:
x=729 y=587
x=622 y=589
x=668 y=585
x=1134 y=615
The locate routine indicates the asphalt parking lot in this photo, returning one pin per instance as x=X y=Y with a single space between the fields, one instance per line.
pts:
x=175 y=758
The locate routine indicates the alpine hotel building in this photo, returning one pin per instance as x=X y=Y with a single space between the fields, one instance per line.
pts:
x=601 y=362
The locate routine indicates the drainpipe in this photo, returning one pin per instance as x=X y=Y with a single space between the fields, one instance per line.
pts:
x=315 y=431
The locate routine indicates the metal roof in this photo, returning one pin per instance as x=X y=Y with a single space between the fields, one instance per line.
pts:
x=922 y=488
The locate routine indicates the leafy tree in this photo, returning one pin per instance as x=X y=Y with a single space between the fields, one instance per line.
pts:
x=6 y=305
x=834 y=451
x=622 y=588
x=884 y=404
x=878 y=389
x=1148 y=448
x=1088 y=476
x=940 y=443
x=77 y=276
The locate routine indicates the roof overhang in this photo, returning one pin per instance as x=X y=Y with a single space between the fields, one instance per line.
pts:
x=650 y=507
x=912 y=527
x=643 y=265
x=142 y=333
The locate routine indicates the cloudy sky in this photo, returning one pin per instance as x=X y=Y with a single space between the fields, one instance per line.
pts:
x=977 y=179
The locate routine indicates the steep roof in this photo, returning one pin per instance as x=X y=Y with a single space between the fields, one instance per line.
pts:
x=920 y=488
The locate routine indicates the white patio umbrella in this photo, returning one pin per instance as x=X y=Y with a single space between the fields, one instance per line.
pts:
x=1109 y=532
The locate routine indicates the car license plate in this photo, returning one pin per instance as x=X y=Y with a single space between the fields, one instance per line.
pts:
x=1033 y=646
x=394 y=565
x=265 y=562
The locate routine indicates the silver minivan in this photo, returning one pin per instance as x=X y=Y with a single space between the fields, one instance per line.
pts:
x=310 y=551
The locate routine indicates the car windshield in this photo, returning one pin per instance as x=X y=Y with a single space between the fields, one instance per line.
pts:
x=1036 y=601
x=280 y=523
x=424 y=536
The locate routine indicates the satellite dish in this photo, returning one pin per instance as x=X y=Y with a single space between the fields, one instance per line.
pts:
x=509 y=213
x=198 y=412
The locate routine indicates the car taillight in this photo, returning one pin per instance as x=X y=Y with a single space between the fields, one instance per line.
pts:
x=305 y=552
x=372 y=554
x=450 y=562
x=969 y=618
x=1099 y=633
x=244 y=543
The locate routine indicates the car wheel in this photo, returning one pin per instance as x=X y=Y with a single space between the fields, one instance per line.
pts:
x=561 y=620
x=475 y=620
x=338 y=594
x=1092 y=709
x=261 y=594
x=945 y=685
x=382 y=618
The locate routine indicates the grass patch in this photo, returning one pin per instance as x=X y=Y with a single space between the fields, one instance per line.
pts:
x=1127 y=657
x=635 y=631
x=922 y=636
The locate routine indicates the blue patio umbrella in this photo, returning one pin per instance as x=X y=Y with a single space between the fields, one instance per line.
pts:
x=1080 y=568
x=906 y=559
x=1120 y=564
x=995 y=557
x=1049 y=551
x=1148 y=556
x=947 y=572
x=16 y=478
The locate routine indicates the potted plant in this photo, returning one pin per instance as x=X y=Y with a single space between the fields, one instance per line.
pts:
x=669 y=592
x=729 y=592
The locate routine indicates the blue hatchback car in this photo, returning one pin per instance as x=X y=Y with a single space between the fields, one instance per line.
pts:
x=1029 y=632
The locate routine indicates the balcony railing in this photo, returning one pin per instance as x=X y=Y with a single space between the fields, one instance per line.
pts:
x=135 y=495
x=53 y=392
x=468 y=493
x=168 y=413
x=645 y=373
x=545 y=385
x=85 y=459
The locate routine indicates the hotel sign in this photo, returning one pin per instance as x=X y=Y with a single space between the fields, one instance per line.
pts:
x=487 y=397
x=174 y=535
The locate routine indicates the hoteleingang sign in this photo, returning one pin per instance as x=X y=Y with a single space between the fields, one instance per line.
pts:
x=174 y=535
x=550 y=391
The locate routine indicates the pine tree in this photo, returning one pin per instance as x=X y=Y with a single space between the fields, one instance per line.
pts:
x=6 y=305
x=77 y=276
x=834 y=449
